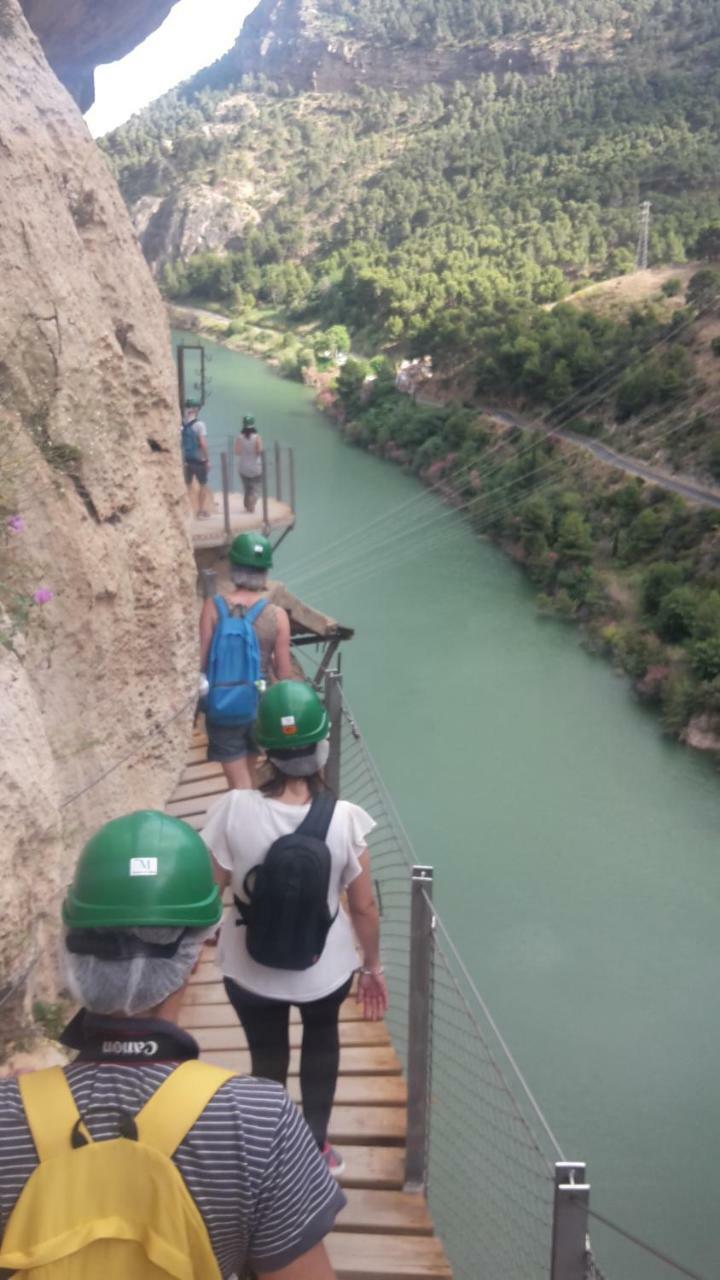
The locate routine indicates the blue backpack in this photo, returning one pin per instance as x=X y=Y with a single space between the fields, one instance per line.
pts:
x=233 y=666
x=190 y=446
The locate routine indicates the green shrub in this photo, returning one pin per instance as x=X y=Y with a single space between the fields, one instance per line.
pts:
x=657 y=582
x=678 y=702
x=672 y=287
x=705 y=657
x=676 y=615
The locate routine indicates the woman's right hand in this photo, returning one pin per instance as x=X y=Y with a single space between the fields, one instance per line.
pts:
x=372 y=994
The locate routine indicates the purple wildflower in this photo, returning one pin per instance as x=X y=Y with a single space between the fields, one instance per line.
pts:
x=43 y=595
x=16 y=524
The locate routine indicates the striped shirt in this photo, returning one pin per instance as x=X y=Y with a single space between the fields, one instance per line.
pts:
x=249 y=1163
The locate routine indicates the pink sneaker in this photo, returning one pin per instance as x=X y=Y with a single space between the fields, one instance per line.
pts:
x=333 y=1160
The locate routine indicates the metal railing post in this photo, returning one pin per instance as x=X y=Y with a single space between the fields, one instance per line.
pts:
x=226 y=493
x=208 y=580
x=231 y=457
x=333 y=706
x=291 y=468
x=570 y=1218
x=278 y=473
x=419 y=1054
x=263 y=476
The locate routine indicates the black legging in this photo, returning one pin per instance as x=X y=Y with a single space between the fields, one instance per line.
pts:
x=266 y=1024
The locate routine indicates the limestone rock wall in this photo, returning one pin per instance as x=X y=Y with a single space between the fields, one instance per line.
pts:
x=77 y=35
x=92 y=509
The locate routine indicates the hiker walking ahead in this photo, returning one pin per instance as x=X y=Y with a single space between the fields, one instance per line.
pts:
x=243 y=639
x=289 y=850
x=249 y=450
x=195 y=454
x=138 y=1160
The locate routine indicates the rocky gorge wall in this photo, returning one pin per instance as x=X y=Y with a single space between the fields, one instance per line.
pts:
x=97 y=578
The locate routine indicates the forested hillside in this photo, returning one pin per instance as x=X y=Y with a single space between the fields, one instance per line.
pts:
x=440 y=216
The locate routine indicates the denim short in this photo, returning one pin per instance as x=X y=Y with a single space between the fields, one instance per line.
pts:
x=230 y=742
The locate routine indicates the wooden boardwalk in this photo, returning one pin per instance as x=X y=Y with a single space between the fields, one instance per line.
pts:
x=384 y=1233
x=210 y=532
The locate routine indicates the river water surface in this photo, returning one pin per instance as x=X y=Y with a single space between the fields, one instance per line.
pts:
x=576 y=850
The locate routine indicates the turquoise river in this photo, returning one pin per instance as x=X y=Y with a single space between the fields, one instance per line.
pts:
x=576 y=850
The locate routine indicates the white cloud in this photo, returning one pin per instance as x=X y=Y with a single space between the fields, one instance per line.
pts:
x=194 y=34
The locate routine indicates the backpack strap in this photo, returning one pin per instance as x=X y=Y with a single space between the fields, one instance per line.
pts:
x=254 y=612
x=221 y=605
x=316 y=822
x=50 y=1111
x=172 y=1111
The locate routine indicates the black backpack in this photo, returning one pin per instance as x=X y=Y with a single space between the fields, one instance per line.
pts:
x=287 y=915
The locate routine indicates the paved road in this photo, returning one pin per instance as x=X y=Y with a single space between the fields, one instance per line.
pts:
x=691 y=490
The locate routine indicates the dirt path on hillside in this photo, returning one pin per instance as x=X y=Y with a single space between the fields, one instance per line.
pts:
x=691 y=490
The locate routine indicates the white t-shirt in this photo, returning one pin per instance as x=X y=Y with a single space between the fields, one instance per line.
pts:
x=239 y=831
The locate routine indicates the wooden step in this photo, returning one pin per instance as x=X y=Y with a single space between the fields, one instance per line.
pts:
x=377 y=1168
x=201 y=769
x=381 y=1126
x=351 y=1033
x=200 y=787
x=193 y=807
x=207 y=1006
x=400 y=1212
x=362 y=1091
x=369 y=1061
x=358 y=1256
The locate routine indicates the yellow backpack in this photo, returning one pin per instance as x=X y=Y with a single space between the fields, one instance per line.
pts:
x=117 y=1209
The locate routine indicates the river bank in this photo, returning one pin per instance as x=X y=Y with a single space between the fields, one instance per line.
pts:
x=635 y=568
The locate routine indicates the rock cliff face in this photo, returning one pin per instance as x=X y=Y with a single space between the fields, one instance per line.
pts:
x=77 y=35
x=92 y=508
x=283 y=40
x=202 y=218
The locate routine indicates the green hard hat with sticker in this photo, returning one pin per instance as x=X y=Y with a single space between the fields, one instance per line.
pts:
x=290 y=716
x=252 y=550
x=146 y=869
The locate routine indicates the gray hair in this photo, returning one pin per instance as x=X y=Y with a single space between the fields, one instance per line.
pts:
x=133 y=985
x=247 y=576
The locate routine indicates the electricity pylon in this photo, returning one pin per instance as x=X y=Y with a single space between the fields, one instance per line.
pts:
x=641 y=257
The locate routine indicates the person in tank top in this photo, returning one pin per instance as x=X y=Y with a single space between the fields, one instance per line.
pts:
x=249 y=451
x=233 y=746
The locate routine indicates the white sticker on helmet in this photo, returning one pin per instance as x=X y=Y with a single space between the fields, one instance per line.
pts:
x=143 y=866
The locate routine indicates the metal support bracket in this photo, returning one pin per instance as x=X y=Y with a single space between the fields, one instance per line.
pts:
x=570 y=1220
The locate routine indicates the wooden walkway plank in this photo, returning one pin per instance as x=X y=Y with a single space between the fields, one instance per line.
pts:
x=202 y=787
x=371 y=1061
x=207 y=1006
x=352 y=1034
x=387 y=1257
x=377 y=1168
x=400 y=1212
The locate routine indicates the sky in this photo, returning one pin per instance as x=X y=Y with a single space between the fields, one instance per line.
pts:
x=194 y=34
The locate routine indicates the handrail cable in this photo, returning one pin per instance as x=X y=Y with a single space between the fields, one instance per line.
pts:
x=642 y=1244
x=440 y=926
x=130 y=754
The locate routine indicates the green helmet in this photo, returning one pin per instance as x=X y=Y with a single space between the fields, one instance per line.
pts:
x=141 y=870
x=252 y=550
x=290 y=716
x=248 y=420
x=192 y=404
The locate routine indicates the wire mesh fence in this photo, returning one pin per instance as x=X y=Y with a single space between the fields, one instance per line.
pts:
x=490 y=1159
x=490 y=1154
